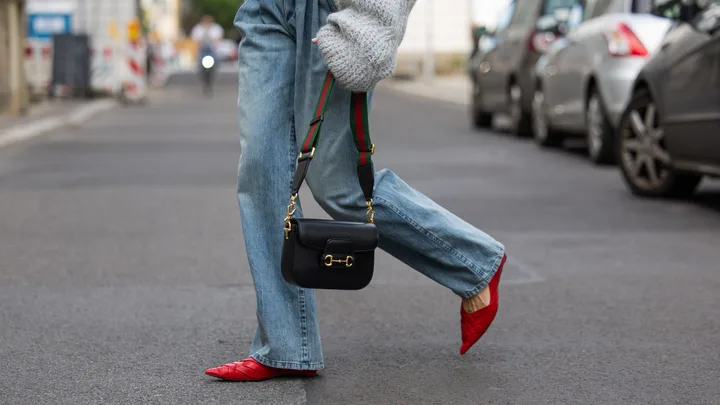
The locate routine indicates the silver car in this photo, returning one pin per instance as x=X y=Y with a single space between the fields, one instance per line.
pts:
x=584 y=82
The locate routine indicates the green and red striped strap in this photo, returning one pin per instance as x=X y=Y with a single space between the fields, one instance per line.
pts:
x=316 y=123
x=359 y=125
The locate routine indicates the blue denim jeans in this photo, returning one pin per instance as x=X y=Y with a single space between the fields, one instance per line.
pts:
x=280 y=76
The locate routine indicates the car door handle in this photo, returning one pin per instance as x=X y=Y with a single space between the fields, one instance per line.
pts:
x=664 y=47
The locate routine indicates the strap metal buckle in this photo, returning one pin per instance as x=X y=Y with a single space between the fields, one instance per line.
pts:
x=303 y=156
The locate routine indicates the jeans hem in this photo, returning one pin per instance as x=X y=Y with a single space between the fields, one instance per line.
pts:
x=486 y=281
x=289 y=365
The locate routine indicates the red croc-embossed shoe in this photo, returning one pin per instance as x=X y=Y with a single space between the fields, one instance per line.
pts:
x=474 y=325
x=250 y=370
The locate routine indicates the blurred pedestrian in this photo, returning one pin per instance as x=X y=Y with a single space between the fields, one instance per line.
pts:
x=286 y=49
x=207 y=35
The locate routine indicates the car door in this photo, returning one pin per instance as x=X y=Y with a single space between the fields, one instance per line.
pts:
x=556 y=71
x=514 y=49
x=490 y=68
x=692 y=91
x=577 y=62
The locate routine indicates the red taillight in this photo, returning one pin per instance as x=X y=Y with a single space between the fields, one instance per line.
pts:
x=540 y=41
x=623 y=42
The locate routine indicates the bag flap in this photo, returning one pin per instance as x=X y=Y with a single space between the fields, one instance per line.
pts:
x=315 y=233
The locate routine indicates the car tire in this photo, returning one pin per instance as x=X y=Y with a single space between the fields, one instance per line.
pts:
x=520 y=121
x=479 y=118
x=543 y=134
x=645 y=164
x=599 y=133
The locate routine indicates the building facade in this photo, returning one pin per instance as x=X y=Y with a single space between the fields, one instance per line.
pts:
x=164 y=18
x=14 y=95
x=443 y=28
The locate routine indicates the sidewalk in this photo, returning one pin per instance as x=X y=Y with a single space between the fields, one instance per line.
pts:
x=455 y=89
x=48 y=116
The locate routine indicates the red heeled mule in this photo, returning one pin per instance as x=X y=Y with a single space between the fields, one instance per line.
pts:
x=250 y=370
x=474 y=325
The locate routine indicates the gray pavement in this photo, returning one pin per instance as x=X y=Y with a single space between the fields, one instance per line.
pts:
x=123 y=272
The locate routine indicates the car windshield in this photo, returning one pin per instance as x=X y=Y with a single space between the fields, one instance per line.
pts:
x=552 y=5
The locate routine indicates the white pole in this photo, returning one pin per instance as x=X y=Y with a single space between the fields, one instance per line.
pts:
x=429 y=60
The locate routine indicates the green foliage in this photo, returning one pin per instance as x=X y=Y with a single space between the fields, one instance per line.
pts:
x=223 y=10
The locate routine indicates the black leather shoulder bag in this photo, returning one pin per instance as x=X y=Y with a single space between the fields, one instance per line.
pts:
x=329 y=254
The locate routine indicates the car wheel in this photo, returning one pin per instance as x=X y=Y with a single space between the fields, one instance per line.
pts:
x=542 y=133
x=521 y=123
x=479 y=118
x=599 y=132
x=643 y=158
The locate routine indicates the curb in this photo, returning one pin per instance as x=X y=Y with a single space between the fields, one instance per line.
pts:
x=45 y=125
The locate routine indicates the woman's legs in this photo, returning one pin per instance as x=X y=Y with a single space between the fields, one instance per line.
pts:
x=412 y=227
x=280 y=78
x=287 y=335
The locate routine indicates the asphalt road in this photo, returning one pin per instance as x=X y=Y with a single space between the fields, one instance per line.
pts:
x=123 y=273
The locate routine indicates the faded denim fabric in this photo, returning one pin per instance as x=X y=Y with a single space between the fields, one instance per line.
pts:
x=280 y=77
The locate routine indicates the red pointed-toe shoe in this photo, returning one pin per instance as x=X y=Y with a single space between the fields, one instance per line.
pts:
x=475 y=324
x=250 y=370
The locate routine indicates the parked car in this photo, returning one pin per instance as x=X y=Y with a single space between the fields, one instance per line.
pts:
x=585 y=81
x=669 y=135
x=502 y=77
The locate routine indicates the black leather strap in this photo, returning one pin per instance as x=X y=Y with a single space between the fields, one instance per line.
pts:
x=361 y=135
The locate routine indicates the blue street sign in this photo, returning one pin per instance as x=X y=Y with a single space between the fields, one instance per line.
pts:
x=44 y=25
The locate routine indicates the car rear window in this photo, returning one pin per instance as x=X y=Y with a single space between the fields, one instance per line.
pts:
x=551 y=5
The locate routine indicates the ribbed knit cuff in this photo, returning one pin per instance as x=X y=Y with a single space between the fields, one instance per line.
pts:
x=345 y=60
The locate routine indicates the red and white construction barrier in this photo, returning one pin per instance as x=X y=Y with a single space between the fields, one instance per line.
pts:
x=117 y=69
x=38 y=65
x=135 y=84
x=104 y=60
x=106 y=71
x=165 y=63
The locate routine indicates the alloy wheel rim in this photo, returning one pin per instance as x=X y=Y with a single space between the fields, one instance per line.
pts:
x=642 y=148
x=595 y=126
x=539 y=123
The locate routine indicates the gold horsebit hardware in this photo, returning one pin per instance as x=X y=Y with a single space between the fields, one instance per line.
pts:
x=329 y=260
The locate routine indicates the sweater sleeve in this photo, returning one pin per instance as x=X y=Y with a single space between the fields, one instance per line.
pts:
x=360 y=41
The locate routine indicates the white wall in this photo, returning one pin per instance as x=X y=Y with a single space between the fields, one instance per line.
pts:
x=450 y=22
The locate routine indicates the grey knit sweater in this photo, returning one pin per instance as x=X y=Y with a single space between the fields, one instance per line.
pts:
x=359 y=42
